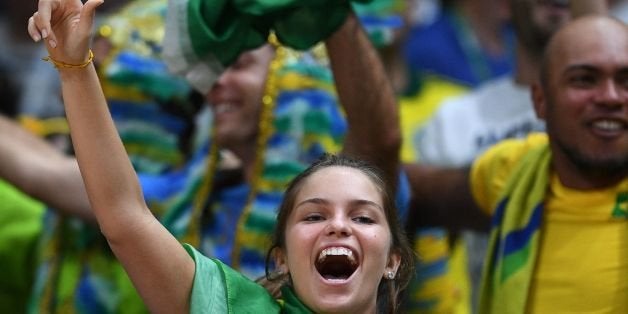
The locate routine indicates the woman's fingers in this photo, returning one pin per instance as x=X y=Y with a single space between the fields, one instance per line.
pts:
x=42 y=17
x=32 y=29
x=87 y=15
x=40 y=25
x=41 y=20
x=39 y=28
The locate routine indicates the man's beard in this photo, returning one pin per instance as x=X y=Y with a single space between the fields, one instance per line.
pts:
x=593 y=167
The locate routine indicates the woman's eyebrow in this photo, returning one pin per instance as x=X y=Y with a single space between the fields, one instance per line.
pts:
x=314 y=200
x=360 y=202
x=353 y=203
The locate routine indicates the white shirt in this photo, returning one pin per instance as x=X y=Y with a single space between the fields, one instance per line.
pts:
x=465 y=126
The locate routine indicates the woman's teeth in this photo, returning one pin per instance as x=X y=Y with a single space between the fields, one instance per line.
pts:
x=336 y=251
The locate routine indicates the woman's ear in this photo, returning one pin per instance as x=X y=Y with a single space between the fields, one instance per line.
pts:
x=394 y=260
x=281 y=262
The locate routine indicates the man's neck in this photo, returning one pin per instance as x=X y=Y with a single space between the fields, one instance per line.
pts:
x=573 y=177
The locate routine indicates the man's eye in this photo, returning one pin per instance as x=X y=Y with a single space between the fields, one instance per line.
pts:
x=623 y=81
x=583 y=80
x=363 y=220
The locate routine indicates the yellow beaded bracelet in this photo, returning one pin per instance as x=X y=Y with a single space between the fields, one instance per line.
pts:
x=59 y=64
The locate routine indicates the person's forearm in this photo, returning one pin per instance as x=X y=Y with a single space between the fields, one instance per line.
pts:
x=109 y=177
x=14 y=133
x=442 y=197
x=368 y=98
x=147 y=250
x=38 y=169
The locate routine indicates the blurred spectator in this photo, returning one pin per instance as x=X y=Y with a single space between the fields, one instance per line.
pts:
x=469 y=42
x=20 y=220
x=501 y=108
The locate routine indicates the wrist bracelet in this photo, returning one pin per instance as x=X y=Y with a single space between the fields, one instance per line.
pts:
x=59 y=64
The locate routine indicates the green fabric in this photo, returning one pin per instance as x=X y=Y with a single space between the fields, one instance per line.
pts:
x=291 y=303
x=20 y=225
x=246 y=296
x=514 y=239
x=219 y=288
x=226 y=28
x=301 y=28
x=204 y=37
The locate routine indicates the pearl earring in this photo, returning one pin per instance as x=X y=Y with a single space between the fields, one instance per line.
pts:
x=390 y=275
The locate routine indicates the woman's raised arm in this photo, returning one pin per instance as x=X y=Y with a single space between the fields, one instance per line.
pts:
x=158 y=265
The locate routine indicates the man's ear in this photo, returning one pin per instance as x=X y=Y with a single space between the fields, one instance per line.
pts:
x=539 y=100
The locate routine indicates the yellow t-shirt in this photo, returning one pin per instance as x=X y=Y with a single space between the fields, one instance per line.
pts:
x=582 y=265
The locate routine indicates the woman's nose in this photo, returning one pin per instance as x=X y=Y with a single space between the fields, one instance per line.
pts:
x=339 y=226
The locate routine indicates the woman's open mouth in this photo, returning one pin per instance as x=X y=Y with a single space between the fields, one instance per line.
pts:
x=336 y=263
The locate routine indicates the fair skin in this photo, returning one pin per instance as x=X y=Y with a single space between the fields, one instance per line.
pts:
x=329 y=220
x=586 y=103
x=145 y=248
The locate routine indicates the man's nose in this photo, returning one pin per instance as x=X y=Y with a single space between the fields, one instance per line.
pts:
x=611 y=94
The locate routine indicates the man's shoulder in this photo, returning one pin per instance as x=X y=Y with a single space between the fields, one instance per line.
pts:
x=508 y=152
x=492 y=169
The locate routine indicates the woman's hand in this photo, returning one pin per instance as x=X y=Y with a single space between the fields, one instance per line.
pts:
x=66 y=27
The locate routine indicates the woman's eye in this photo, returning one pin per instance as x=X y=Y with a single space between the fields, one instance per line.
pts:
x=364 y=220
x=313 y=217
